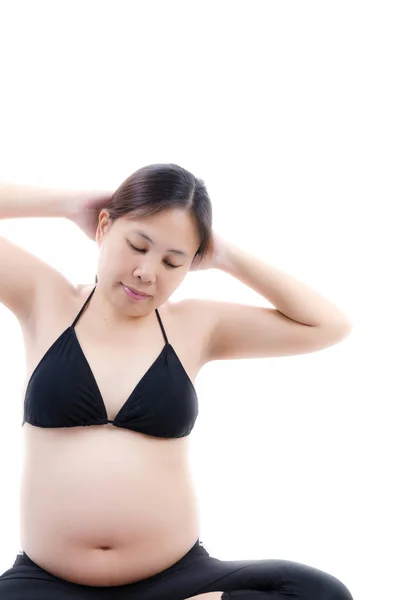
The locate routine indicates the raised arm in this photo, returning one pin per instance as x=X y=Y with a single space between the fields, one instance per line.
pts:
x=23 y=275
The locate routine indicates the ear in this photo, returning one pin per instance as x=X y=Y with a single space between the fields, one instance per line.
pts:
x=104 y=223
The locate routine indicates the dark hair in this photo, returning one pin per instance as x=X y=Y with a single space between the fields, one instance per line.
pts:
x=158 y=187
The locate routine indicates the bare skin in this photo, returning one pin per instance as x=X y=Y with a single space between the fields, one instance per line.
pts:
x=91 y=511
x=102 y=505
x=208 y=596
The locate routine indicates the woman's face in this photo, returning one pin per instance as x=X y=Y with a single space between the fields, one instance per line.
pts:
x=129 y=258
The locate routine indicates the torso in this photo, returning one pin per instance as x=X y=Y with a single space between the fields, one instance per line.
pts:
x=101 y=505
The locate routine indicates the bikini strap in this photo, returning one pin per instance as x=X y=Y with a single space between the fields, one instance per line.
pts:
x=162 y=327
x=83 y=307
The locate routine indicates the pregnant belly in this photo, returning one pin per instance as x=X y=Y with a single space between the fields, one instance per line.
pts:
x=99 y=517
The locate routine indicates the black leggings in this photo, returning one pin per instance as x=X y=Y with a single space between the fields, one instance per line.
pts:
x=196 y=573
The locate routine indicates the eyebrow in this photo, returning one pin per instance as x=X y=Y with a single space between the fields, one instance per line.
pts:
x=144 y=235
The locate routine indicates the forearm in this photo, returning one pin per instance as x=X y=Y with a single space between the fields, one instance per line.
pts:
x=288 y=295
x=22 y=201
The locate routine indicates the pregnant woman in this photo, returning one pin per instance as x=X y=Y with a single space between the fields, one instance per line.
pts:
x=108 y=506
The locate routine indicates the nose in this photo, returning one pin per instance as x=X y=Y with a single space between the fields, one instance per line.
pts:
x=145 y=273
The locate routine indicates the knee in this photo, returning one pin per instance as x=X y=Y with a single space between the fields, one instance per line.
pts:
x=334 y=588
x=339 y=591
x=313 y=584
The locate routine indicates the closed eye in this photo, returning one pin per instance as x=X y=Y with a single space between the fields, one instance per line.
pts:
x=143 y=250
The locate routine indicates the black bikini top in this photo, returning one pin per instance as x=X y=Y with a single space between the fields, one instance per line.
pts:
x=62 y=392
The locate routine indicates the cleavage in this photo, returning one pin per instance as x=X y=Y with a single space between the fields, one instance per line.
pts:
x=119 y=370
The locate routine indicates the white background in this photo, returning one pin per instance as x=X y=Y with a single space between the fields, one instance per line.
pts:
x=287 y=110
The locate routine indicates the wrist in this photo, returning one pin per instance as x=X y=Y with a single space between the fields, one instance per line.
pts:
x=225 y=259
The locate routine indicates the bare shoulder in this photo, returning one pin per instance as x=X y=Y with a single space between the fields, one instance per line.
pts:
x=194 y=318
x=56 y=299
x=200 y=310
x=82 y=290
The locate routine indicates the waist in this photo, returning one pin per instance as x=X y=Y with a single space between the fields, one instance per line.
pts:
x=96 y=570
x=24 y=560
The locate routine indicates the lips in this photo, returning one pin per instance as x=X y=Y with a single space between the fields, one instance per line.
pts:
x=136 y=291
